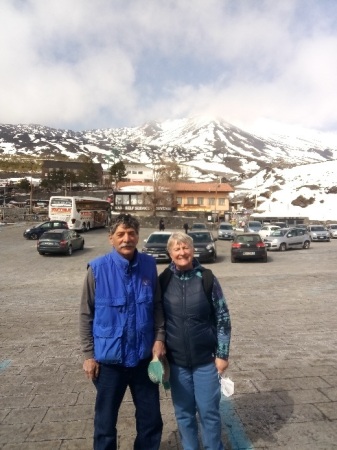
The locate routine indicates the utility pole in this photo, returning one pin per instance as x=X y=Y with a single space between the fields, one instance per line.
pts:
x=4 y=204
x=31 y=194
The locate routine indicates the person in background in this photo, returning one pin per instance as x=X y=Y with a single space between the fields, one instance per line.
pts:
x=186 y=227
x=121 y=329
x=161 y=225
x=198 y=330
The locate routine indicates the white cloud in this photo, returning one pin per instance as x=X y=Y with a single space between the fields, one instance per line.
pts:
x=81 y=64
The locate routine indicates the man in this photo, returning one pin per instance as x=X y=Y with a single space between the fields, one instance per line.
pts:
x=121 y=328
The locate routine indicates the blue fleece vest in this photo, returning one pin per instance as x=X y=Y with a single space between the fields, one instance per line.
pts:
x=123 y=326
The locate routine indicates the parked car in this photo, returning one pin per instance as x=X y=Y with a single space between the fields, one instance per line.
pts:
x=248 y=246
x=253 y=226
x=266 y=230
x=35 y=231
x=225 y=231
x=280 y=224
x=204 y=245
x=155 y=245
x=332 y=228
x=199 y=226
x=60 y=241
x=287 y=238
x=318 y=233
x=301 y=226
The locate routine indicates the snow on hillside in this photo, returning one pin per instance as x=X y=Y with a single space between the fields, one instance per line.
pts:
x=311 y=181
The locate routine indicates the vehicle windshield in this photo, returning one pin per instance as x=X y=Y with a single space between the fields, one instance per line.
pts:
x=278 y=233
x=53 y=236
x=158 y=239
x=244 y=239
x=317 y=229
x=225 y=227
x=199 y=226
x=201 y=237
x=333 y=227
x=254 y=225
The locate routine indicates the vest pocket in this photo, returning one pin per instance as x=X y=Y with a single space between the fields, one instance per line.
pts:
x=108 y=344
x=146 y=340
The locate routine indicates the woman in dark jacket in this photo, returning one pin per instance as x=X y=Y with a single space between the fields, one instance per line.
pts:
x=198 y=332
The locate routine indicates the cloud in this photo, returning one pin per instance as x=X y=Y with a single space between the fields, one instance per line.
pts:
x=85 y=64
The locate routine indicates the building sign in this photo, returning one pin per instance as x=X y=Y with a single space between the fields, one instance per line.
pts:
x=140 y=208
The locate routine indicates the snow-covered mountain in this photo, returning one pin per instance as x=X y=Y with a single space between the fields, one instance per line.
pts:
x=268 y=157
x=308 y=190
x=206 y=144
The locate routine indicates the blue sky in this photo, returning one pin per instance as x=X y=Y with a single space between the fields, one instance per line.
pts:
x=84 y=64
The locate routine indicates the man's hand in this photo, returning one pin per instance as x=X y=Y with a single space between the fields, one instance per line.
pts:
x=158 y=349
x=91 y=368
x=221 y=365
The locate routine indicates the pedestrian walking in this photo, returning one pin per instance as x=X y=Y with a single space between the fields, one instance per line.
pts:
x=121 y=330
x=186 y=227
x=161 y=225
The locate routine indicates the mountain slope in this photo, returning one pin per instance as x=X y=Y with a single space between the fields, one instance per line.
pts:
x=197 y=142
x=278 y=166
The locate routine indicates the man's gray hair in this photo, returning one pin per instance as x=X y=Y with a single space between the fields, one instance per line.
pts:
x=127 y=221
x=180 y=238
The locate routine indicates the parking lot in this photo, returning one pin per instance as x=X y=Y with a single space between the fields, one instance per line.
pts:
x=283 y=356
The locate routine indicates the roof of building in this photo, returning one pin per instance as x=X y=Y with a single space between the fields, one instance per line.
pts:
x=54 y=164
x=179 y=186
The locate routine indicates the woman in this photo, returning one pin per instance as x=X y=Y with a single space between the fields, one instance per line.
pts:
x=197 y=338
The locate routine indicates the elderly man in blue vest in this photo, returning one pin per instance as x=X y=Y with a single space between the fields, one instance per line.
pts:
x=121 y=329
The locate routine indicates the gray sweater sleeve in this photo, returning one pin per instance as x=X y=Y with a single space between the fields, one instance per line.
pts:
x=159 y=323
x=87 y=309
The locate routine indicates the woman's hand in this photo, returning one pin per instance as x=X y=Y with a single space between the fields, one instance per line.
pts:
x=221 y=365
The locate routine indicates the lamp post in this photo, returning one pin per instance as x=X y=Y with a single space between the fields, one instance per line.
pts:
x=3 y=205
x=216 y=199
x=31 y=194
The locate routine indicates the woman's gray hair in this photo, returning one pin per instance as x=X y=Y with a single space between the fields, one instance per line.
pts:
x=181 y=238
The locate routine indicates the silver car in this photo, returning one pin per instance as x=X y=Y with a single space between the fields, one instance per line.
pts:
x=225 y=231
x=287 y=238
x=332 y=228
x=318 y=233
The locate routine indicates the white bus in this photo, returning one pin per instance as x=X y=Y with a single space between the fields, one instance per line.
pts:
x=81 y=213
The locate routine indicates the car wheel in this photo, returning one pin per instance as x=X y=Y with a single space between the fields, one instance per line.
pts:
x=84 y=227
x=306 y=244
x=264 y=259
x=233 y=259
x=70 y=250
x=214 y=258
x=82 y=246
x=42 y=253
x=283 y=247
x=34 y=236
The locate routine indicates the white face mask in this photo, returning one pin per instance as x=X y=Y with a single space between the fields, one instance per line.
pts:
x=227 y=385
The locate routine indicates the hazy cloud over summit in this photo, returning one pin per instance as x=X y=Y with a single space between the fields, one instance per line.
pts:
x=84 y=64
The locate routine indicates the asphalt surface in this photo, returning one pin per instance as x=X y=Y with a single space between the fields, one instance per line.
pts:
x=283 y=356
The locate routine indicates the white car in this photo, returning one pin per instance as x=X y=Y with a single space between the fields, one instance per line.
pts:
x=318 y=233
x=266 y=230
x=332 y=228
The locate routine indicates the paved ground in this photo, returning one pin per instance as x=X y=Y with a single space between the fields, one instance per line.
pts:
x=283 y=354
